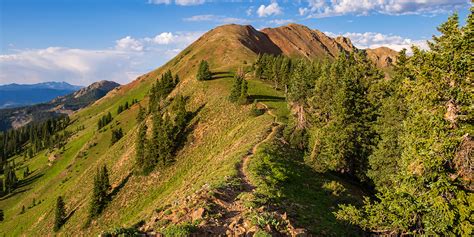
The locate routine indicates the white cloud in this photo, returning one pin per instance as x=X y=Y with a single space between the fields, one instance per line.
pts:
x=218 y=19
x=128 y=43
x=375 y=40
x=272 y=9
x=281 y=21
x=129 y=58
x=164 y=38
x=321 y=8
x=178 y=2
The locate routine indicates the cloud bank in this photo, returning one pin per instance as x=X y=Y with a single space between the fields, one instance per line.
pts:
x=374 y=40
x=129 y=58
x=323 y=8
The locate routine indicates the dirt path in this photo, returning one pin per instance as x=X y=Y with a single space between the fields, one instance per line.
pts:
x=232 y=208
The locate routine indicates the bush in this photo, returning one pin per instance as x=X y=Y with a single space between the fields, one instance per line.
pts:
x=261 y=233
x=255 y=111
x=121 y=231
x=334 y=187
x=183 y=229
x=265 y=219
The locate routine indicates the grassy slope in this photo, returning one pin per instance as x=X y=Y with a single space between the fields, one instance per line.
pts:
x=221 y=134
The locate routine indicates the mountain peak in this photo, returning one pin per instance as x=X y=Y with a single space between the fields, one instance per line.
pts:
x=104 y=86
x=293 y=40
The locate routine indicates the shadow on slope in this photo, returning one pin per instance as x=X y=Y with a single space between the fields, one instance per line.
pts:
x=264 y=98
x=221 y=75
x=309 y=198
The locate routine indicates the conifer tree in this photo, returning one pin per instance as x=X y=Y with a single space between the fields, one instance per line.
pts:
x=117 y=134
x=384 y=159
x=99 y=193
x=11 y=179
x=176 y=80
x=143 y=164
x=180 y=117
x=141 y=114
x=60 y=214
x=203 y=73
x=243 y=99
x=236 y=91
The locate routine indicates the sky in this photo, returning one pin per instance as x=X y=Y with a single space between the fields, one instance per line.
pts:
x=83 y=41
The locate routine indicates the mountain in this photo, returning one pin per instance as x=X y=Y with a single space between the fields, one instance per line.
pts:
x=15 y=95
x=383 y=57
x=65 y=104
x=227 y=164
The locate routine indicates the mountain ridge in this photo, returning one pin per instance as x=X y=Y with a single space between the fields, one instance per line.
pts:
x=65 y=104
x=16 y=95
x=295 y=40
x=49 y=85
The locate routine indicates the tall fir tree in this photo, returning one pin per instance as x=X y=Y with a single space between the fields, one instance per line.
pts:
x=143 y=164
x=100 y=190
x=236 y=91
x=244 y=95
x=59 y=214
x=203 y=73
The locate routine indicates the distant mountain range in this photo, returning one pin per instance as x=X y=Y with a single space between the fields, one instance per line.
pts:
x=16 y=95
x=64 y=104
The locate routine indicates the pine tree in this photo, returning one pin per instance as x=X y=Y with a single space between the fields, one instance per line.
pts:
x=11 y=179
x=60 y=214
x=117 y=134
x=180 y=117
x=176 y=80
x=99 y=193
x=243 y=99
x=342 y=136
x=141 y=114
x=236 y=91
x=384 y=159
x=203 y=73
x=143 y=163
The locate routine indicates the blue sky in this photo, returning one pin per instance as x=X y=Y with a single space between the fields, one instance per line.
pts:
x=81 y=41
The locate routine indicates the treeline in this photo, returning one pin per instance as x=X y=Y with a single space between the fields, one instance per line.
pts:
x=274 y=69
x=168 y=124
x=33 y=138
x=408 y=137
x=330 y=101
x=422 y=162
